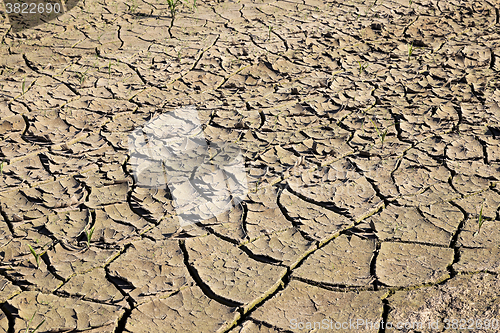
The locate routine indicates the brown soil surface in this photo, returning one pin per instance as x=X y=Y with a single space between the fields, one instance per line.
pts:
x=370 y=133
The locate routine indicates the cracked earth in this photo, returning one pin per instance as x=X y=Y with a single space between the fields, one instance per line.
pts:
x=371 y=137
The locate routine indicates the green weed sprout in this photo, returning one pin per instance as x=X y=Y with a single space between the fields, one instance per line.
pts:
x=23 y=86
x=370 y=8
x=480 y=220
x=270 y=29
x=134 y=6
x=29 y=325
x=381 y=136
x=110 y=64
x=36 y=255
x=88 y=234
x=82 y=76
x=1 y=168
x=257 y=185
x=410 y=50
x=362 y=67
x=172 y=6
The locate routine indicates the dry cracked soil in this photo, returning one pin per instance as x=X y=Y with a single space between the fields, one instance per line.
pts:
x=370 y=132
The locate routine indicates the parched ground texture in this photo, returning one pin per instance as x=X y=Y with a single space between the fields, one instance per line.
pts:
x=371 y=137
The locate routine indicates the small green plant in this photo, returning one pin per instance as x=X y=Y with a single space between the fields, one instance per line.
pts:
x=370 y=8
x=28 y=330
x=35 y=255
x=23 y=86
x=270 y=29
x=134 y=6
x=410 y=50
x=362 y=67
x=111 y=64
x=82 y=76
x=172 y=6
x=380 y=134
x=88 y=234
x=1 y=168
x=382 y=138
x=257 y=185
x=480 y=221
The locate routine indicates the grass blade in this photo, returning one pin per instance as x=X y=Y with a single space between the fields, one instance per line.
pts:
x=382 y=138
x=480 y=220
x=32 y=251
x=29 y=325
x=36 y=328
x=37 y=256
x=410 y=50
x=89 y=234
